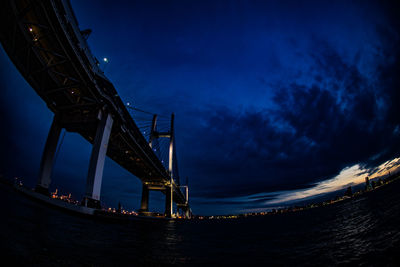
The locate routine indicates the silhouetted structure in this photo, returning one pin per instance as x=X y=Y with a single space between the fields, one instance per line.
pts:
x=348 y=192
x=367 y=184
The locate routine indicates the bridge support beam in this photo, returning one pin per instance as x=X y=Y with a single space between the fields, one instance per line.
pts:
x=169 y=201
x=96 y=165
x=47 y=162
x=144 y=206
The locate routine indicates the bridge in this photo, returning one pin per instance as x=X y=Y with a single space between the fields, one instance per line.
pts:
x=45 y=43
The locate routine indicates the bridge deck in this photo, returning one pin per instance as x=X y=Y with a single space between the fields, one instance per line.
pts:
x=43 y=40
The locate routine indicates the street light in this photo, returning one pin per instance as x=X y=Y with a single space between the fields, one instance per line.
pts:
x=106 y=63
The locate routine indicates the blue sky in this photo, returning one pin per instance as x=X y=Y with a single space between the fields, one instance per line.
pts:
x=269 y=96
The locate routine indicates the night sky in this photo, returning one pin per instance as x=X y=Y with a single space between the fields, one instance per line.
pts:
x=274 y=101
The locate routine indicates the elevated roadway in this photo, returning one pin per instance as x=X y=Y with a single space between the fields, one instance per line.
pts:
x=45 y=43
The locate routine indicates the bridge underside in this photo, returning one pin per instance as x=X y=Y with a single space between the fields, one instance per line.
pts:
x=43 y=40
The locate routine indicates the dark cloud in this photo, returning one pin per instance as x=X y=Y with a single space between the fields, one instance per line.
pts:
x=340 y=118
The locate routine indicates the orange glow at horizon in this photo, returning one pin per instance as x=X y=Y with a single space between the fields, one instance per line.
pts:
x=349 y=176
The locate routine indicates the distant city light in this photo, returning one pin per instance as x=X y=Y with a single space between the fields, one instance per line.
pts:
x=30 y=29
x=105 y=60
x=128 y=104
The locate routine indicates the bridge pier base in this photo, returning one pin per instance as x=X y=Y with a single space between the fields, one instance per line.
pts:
x=144 y=206
x=187 y=213
x=168 y=201
x=96 y=165
x=46 y=164
x=184 y=210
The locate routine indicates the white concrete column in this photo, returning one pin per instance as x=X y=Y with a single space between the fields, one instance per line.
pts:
x=171 y=147
x=46 y=164
x=187 y=194
x=144 y=206
x=187 y=213
x=96 y=165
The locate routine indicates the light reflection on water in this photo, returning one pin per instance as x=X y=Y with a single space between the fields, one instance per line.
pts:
x=363 y=231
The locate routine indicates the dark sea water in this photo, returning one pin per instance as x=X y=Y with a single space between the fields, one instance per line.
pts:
x=359 y=232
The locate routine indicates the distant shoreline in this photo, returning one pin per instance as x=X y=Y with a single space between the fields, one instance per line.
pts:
x=112 y=216
x=298 y=208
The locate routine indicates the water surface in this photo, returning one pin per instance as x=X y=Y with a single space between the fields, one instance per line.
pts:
x=363 y=231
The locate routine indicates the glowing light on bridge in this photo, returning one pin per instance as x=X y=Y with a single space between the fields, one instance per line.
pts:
x=105 y=60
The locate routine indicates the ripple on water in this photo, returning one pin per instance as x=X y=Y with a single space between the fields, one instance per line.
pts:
x=361 y=231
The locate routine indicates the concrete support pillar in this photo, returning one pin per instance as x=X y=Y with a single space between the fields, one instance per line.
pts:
x=96 y=165
x=144 y=206
x=187 y=194
x=171 y=148
x=168 y=201
x=187 y=213
x=46 y=164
